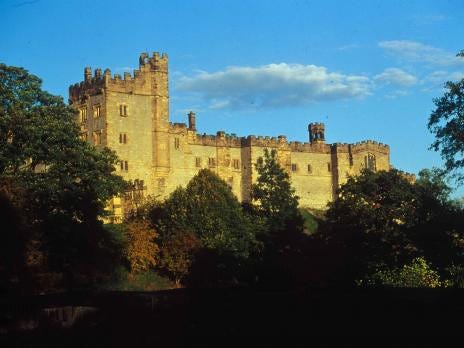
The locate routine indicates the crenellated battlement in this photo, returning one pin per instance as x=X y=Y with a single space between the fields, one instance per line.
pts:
x=411 y=178
x=266 y=141
x=177 y=126
x=156 y=62
x=370 y=145
x=341 y=147
x=220 y=139
x=137 y=82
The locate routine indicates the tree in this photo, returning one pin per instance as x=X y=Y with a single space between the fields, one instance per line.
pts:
x=380 y=218
x=208 y=208
x=224 y=238
x=59 y=183
x=178 y=253
x=141 y=249
x=275 y=197
x=447 y=124
x=284 y=261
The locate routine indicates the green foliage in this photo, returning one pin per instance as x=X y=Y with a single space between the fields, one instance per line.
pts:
x=284 y=260
x=59 y=183
x=208 y=208
x=455 y=275
x=274 y=195
x=310 y=221
x=382 y=219
x=369 y=215
x=123 y=280
x=446 y=122
x=417 y=274
x=203 y=228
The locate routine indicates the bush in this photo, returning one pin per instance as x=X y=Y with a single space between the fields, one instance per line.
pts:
x=417 y=274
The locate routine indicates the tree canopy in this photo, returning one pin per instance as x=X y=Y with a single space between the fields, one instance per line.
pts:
x=208 y=208
x=204 y=232
x=275 y=197
x=380 y=218
x=58 y=183
x=446 y=122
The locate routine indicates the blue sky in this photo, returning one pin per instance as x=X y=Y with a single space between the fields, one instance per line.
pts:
x=367 y=69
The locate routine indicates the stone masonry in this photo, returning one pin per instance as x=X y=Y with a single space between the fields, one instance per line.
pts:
x=130 y=115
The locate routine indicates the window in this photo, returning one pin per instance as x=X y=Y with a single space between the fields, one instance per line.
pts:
x=310 y=169
x=294 y=167
x=83 y=114
x=236 y=164
x=124 y=166
x=197 y=161
x=122 y=110
x=84 y=136
x=96 y=111
x=369 y=162
x=328 y=167
x=211 y=161
x=176 y=143
x=122 y=138
x=97 y=137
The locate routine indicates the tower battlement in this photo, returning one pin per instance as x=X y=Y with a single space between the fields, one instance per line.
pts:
x=370 y=145
x=156 y=62
x=138 y=82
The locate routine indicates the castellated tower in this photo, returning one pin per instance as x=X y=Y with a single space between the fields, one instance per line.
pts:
x=316 y=133
x=130 y=115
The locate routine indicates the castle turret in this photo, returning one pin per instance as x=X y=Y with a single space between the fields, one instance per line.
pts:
x=87 y=74
x=316 y=133
x=191 y=120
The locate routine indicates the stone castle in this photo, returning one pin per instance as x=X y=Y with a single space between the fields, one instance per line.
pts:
x=130 y=115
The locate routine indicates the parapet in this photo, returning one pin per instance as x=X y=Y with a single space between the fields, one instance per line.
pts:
x=252 y=140
x=341 y=147
x=370 y=145
x=131 y=83
x=93 y=84
x=220 y=139
x=411 y=178
x=156 y=62
x=178 y=126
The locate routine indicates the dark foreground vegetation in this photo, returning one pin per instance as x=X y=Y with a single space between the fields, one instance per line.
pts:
x=261 y=267
x=170 y=317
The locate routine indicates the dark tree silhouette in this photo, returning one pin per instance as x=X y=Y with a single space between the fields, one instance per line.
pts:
x=447 y=124
x=59 y=183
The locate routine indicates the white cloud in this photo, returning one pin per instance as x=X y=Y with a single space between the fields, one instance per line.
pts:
x=417 y=52
x=395 y=76
x=273 y=86
x=396 y=94
x=437 y=79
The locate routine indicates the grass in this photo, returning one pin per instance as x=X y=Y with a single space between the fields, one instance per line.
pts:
x=144 y=281
x=311 y=219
